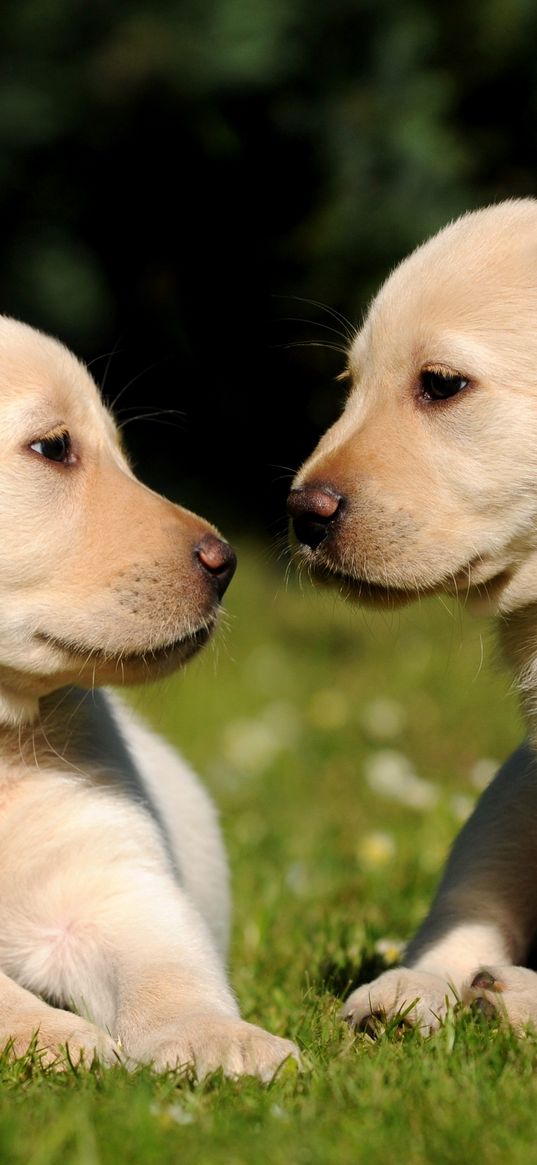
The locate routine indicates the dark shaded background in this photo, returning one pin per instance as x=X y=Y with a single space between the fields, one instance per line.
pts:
x=179 y=179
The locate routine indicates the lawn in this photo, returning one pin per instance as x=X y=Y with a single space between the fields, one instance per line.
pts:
x=344 y=750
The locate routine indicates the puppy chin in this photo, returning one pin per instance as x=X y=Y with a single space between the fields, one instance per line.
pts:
x=94 y=664
x=362 y=592
x=484 y=585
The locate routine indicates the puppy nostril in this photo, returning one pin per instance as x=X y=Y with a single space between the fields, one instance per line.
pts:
x=313 y=510
x=217 y=559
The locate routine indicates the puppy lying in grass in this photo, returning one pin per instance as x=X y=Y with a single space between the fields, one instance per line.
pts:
x=114 y=890
x=427 y=484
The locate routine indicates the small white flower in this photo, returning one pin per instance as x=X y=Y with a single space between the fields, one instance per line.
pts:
x=179 y=1114
x=172 y=1112
x=250 y=745
x=278 y=1112
x=461 y=806
x=390 y=773
x=296 y=877
x=482 y=772
x=383 y=718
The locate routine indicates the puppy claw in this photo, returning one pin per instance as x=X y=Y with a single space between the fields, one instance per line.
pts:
x=484 y=1006
x=370 y=1025
x=487 y=981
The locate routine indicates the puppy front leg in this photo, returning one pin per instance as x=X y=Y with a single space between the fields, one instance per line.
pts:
x=484 y=914
x=167 y=1000
x=96 y=921
x=27 y=1021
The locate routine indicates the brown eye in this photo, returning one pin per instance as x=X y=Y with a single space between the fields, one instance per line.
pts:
x=56 y=447
x=437 y=384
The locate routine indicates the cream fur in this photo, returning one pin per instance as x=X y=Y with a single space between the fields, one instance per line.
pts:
x=441 y=496
x=114 y=897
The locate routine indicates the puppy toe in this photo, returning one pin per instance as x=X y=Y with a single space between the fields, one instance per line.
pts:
x=487 y=980
x=364 y=1011
x=484 y=1007
x=507 y=992
x=402 y=996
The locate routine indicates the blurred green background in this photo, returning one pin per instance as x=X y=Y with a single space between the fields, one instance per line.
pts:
x=178 y=178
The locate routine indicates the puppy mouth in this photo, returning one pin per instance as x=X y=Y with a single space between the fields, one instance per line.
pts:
x=176 y=651
x=363 y=592
x=460 y=584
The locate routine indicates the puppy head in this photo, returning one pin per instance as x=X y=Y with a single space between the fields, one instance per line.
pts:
x=101 y=580
x=428 y=481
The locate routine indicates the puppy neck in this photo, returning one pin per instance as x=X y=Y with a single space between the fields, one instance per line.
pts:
x=71 y=730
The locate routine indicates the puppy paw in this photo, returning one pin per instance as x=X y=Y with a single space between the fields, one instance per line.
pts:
x=210 y=1041
x=414 y=998
x=508 y=992
x=59 y=1039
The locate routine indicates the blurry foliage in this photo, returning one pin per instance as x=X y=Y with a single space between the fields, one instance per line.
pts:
x=173 y=172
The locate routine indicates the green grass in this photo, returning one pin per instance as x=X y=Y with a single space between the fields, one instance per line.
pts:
x=289 y=719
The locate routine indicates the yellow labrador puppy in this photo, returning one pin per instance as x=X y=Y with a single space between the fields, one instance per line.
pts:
x=427 y=484
x=114 y=902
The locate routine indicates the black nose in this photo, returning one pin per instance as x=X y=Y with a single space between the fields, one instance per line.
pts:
x=314 y=510
x=217 y=559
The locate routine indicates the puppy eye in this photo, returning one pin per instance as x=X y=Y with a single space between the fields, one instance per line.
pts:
x=439 y=384
x=55 y=447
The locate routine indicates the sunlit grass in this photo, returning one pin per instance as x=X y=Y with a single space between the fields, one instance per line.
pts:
x=343 y=750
